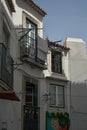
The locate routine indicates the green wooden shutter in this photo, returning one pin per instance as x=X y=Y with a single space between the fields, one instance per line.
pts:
x=3 y=63
x=60 y=64
x=52 y=61
x=36 y=95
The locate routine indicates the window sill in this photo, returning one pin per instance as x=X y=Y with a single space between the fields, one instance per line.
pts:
x=57 y=76
x=33 y=62
x=57 y=106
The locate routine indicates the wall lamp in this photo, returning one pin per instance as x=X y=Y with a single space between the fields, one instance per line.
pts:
x=46 y=97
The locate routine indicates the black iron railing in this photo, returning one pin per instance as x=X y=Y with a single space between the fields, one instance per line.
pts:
x=29 y=49
x=28 y=45
x=31 y=118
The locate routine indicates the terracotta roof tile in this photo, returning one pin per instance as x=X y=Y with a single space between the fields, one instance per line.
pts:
x=57 y=45
x=9 y=95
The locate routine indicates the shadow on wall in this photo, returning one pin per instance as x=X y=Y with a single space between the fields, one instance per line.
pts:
x=79 y=105
x=79 y=97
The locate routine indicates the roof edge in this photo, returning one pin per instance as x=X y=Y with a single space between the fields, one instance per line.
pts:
x=11 y=5
x=56 y=44
x=36 y=7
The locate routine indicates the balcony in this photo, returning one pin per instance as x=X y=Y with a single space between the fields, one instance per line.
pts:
x=31 y=118
x=34 y=53
x=6 y=68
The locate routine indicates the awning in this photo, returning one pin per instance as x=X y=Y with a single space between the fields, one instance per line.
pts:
x=9 y=95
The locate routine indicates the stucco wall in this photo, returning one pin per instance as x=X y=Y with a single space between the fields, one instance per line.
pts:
x=21 y=7
x=77 y=63
x=10 y=111
x=77 y=59
x=9 y=115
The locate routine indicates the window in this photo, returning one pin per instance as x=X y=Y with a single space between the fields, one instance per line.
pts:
x=6 y=41
x=56 y=62
x=7 y=61
x=31 y=94
x=31 y=38
x=6 y=34
x=56 y=95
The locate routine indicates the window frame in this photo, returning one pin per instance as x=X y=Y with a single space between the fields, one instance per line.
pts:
x=29 y=38
x=56 y=62
x=33 y=94
x=57 y=95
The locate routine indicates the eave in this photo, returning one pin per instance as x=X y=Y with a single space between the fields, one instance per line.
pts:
x=11 y=5
x=35 y=7
x=57 y=45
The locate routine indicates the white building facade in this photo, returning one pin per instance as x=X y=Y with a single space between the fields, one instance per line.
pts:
x=78 y=86
x=33 y=70
x=31 y=57
x=9 y=118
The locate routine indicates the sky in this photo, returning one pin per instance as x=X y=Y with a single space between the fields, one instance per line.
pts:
x=65 y=18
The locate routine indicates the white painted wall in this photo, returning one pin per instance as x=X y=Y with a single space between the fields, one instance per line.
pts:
x=59 y=79
x=26 y=71
x=9 y=115
x=10 y=111
x=77 y=59
x=78 y=74
x=21 y=6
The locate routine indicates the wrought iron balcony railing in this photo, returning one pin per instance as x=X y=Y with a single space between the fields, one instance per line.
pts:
x=34 y=52
x=31 y=117
x=6 y=67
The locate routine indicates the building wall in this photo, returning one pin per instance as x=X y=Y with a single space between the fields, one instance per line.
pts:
x=12 y=112
x=59 y=79
x=23 y=8
x=78 y=59
x=78 y=87
x=9 y=110
x=26 y=71
x=9 y=115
